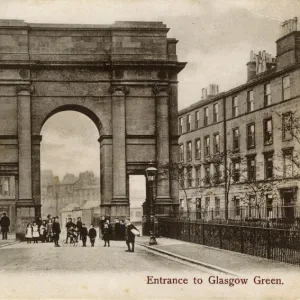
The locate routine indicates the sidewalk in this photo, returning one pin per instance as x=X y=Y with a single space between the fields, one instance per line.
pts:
x=218 y=259
x=11 y=239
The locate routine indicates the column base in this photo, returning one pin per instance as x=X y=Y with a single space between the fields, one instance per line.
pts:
x=120 y=200
x=24 y=214
x=164 y=208
x=115 y=210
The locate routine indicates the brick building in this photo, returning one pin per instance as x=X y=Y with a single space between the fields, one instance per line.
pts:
x=251 y=129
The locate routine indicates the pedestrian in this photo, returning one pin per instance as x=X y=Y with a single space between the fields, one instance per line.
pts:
x=56 y=232
x=79 y=226
x=92 y=235
x=35 y=233
x=84 y=234
x=28 y=234
x=49 y=231
x=69 y=224
x=117 y=229
x=122 y=230
x=107 y=233
x=4 y=223
x=43 y=231
x=102 y=222
x=129 y=235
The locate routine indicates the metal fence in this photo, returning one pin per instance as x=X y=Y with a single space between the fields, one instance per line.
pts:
x=279 y=214
x=278 y=244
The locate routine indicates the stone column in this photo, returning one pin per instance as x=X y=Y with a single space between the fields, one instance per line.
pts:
x=106 y=176
x=161 y=95
x=25 y=208
x=36 y=172
x=120 y=200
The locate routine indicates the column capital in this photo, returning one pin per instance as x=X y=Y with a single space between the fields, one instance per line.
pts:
x=119 y=88
x=157 y=90
x=24 y=88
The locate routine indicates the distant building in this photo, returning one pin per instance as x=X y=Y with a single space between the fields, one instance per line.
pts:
x=71 y=190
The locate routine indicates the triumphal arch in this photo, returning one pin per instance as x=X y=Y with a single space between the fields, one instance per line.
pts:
x=122 y=76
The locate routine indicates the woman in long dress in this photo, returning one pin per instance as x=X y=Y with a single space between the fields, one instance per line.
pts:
x=28 y=234
x=35 y=232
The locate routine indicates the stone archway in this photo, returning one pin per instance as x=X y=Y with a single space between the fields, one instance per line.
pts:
x=123 y=76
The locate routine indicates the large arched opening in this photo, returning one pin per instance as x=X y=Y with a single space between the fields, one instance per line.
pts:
x=70 y=165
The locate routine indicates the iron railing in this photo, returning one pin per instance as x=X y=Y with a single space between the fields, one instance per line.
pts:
x=277 y=244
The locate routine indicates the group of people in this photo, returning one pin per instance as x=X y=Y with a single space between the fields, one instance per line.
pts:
x=43 y=230
x=79 y=231
x=4 y=224
x=122 y=230
x=49 y=231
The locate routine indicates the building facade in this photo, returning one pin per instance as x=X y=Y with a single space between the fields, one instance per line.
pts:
x=240 y=148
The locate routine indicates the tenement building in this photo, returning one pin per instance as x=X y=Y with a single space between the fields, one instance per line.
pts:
x=240 y=149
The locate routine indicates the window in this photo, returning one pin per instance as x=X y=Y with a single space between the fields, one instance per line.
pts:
x=268 y=165
x=235 y=106
x=198 y=208
x=250 y=136
x=198 y=176
x=267 y=94
x=197 y=119
x=287 y=126
x=217 y=206
x=189 y=177
x=269 y=202
x=206 y=174
x=236 y=139
x=6 y=186
x=237 y=205
x=189 y=151
x=181 y=157
x=236 y=171
x=198 y=149
x=182 y=202
x=207 y=203
x=286 y=93
x=251 y=168
x=217 y=174
x=205 y=116
x=268 y=131
x=287 y=163
x=216 y=112
x=188 y=122
x=250 y=101
x=180 y=125
x=206 y=145
x=216 y=143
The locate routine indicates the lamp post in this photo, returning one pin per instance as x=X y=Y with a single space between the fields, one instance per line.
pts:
x=150 y=174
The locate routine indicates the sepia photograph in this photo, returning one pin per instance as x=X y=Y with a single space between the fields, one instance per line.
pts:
x=150 y=149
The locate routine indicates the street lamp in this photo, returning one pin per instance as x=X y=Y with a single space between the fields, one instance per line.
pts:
x=150 y=174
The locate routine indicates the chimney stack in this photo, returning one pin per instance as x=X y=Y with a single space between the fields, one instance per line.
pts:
x=210 y=91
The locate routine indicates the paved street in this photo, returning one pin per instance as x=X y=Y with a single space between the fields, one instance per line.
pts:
x=45 y=257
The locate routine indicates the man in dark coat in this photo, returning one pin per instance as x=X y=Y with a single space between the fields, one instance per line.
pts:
x=92 y=235
x=84 y=234
x=4 y=222
x=69 y=224
x=56 y=232
x=129 y=236
x=79 y=226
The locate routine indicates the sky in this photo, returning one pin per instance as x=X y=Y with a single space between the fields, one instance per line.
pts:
x=215 y=39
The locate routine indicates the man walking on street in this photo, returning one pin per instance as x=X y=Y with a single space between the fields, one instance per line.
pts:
x=129 y=236
x=4 y=222
x=84 y=234
x=79 y=227
x=56 y=232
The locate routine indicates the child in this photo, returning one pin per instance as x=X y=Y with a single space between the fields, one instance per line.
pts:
x=92 y=235
x=35 y=232
x=28 y=234
x=43 y=231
